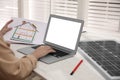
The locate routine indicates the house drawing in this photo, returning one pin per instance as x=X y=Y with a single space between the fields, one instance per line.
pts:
x=24 y=32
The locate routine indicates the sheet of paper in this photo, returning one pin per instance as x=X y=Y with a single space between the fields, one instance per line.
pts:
x=60 y=75
x=26 y=31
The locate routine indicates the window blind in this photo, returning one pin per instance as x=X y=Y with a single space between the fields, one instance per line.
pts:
x=67 y=8
x=8 y=9
x=40 y=9
x=104 y=14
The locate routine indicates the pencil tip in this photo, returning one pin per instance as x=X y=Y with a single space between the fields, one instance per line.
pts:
x=71 y=73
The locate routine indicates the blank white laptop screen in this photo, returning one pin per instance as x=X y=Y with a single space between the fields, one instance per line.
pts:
x=63 y=32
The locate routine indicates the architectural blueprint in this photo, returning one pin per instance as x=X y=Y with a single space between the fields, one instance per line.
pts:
x=24 y=32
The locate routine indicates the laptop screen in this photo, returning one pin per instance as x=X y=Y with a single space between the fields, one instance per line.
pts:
x=63 y=32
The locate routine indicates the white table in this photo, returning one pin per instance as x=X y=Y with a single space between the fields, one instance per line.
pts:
x=61 y=70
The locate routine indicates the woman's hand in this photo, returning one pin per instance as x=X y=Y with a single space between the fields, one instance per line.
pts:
x=5 y=28
x=42 y=51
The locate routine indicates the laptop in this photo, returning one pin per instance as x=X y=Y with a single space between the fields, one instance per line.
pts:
x=63 y=35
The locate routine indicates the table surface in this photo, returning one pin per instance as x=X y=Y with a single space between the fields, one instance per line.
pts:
x=61 y=70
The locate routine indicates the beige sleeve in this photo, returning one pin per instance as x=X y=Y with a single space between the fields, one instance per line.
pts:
x=12 y=68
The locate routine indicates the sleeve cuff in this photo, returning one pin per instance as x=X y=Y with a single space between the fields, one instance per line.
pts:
x=33 y=60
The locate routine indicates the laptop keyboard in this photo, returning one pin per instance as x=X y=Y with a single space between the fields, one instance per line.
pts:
x=105 y=53
x=57 y=54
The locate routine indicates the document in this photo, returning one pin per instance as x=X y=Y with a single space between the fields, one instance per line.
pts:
x=26 y=31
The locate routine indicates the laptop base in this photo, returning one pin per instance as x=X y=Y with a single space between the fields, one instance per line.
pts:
x=46 y=59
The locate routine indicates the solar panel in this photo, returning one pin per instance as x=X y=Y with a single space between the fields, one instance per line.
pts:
x=105 y=55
